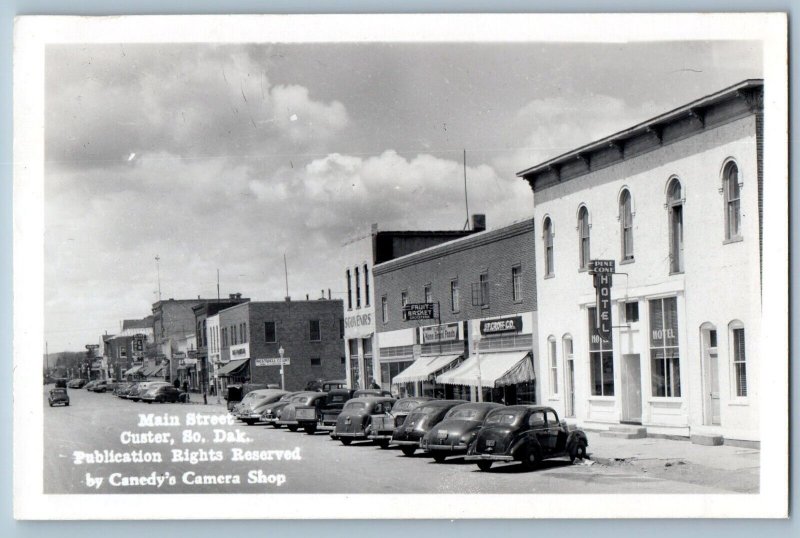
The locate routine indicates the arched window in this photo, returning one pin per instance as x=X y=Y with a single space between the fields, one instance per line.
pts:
x=731 y=189
x=738 y=359
x=626 y=223
x=583 y=237
x=548 y=247
x=675 y=209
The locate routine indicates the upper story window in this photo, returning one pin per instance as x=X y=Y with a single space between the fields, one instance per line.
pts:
x=454 y=298
x=366 y=285
x=732 y=191
x=626 y=224
x=204 y=334
x=583 y=238
x=269 y=332
x=675 y=207
x=358 y=290
x=314 y=333
x=547 y=230
x=428 y=294
x=516 y=283
x=739 y=358
x=349 y=291
x=403 y=298
x=484 y=289
x=384 y=309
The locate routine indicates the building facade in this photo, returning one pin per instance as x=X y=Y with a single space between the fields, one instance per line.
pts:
x=362 y=356
x=675 y=204
x=476 y=339
x=173 y=325
x=249 y=337
x=202 y=365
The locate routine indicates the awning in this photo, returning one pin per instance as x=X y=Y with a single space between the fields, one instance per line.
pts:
x=496 y=370
x=149 y=370
x=423 y=367
x=133 y=371
x=232 y=367
x=156 y=371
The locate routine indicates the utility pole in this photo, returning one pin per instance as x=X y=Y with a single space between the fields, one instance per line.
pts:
x=158 y=274
x=286 y=275
x=217 y=284
x=466 y=198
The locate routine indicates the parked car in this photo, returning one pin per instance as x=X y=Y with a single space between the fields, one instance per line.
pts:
x=304 y=399
x=236 y=393
x=361 y=393
x=89 y=385
x=353 y=423
x=58 y=395
x=102 y=385
x=324 y=415
x=325 y=385
x=272 y=412
x=419 y=422
x=76 y=383
x=383 y=426
x=161 y=393
x=457 y=430
x=526 y=433
x=257 y=400
x=139 y=390
x=122 y=388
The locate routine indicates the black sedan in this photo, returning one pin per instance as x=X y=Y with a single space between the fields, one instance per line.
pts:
x=354 y=422
x=525 y=433
x=383 y=425
x=456 y=432
x=419 y=422
x=161 y=394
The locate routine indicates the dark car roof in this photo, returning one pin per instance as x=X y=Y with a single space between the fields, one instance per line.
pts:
x=371 y=399
x=480 y=405
x=443 y=403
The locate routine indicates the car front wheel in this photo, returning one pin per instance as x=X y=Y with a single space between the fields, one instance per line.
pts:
x=345 y=441
x=439 y=457
x=292 y=427
x=531 y=459
x=484 y=465
x=409 y=450
x=310 y=430
x=383 y=443
x=578 y=450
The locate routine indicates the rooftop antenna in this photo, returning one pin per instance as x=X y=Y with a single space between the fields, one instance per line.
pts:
x=217 y=284
x=466 y=198
x=286 y=275
x=158 y=273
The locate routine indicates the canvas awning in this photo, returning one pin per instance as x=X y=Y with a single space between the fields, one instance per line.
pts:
x=149 y=370
x=496 y=370
x=156 y=371
x=133 y=371
x=423 y=367
x=232 y=367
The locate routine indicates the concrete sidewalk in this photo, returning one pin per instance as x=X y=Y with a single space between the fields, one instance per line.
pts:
x=610 y=450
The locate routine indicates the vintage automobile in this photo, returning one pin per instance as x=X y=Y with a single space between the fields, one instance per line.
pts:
x=76 y=383
x=250 y=411
x=526 y=433
x=323 y=416
x=353 y=423
x=305 y=399
x=409 y=434
x=272 y=411
x=457 y=430
x=58 y=395
x=122 y=388
x=138 y=391
x=383 y=425
x=361 y=393
x=161 y=393
x=234 y=394
x=89 y=385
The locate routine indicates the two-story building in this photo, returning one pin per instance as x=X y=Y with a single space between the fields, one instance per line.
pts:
x=675 y=204
x=201 y=365
x=458 y=319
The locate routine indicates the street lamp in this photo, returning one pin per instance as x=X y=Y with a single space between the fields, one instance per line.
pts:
x=476 y=345
x=280 y=352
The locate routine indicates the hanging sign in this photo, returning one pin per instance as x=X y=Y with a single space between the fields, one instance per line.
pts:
x=416 y=311
x=602 y=271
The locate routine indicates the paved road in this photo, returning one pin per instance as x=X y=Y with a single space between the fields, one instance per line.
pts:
x=99 y=422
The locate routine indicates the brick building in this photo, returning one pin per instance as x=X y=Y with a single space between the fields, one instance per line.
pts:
x=124 y=352
x=247 y=335
x=482 y=288
x=173 y=324
x=361 y=254
x=202 y=312
x=676 y=203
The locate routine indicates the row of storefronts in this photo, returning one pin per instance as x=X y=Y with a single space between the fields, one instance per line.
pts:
x=633 y=295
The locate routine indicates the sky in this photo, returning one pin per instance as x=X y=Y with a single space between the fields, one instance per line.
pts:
x=225 y=157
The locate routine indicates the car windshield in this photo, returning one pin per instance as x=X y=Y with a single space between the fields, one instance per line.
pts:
x=406 y=405
x=58 y=391
x=299 y=399
x=355 y=406
x=428 y=410
x=467 y=413
x=502 y=417
x=337 y=398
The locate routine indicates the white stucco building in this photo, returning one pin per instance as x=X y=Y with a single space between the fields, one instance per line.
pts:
x=676 y=203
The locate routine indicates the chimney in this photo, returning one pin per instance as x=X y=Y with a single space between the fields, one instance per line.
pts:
x=287 y=298
x=329 y=294
x=478 y=222
x=306 y=297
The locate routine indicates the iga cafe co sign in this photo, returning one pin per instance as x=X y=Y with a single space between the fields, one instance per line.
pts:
x=601 y=271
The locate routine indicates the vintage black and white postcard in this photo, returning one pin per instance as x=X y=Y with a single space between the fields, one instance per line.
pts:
x=442 y=266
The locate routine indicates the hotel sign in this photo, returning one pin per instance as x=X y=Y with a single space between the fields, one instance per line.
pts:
x=433 y=334
x=502 y=325
x=602 y=271
x=415 y=311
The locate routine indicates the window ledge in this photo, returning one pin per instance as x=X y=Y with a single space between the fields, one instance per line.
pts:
x=627 y=261
x=518 y=301
x=733 y=240
x=671 y=273
x=665 y=400
x=739 y=402
x=551 y=275
x=601 y=398
x=484 y=307
x=554 y=398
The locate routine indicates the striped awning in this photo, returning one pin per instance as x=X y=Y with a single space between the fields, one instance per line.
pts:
x=424 y=367
x=232 y=367
x=494 y=369
x=133 y=371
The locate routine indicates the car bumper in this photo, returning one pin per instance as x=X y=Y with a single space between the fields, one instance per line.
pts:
x=287 y=422
x=428 y=447
x=380 y=436
x=348 y=435
x=488 y=457
x=405 y=443
x=326 y=427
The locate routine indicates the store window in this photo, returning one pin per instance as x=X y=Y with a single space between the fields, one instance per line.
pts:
x=269 y=332
x=516 y=283
x=454 y=298
x=731 y=189
x=547 y=230
x=583 y=238
x=626 y=224
x=664 y=351
x=553 y=360
x=739 y=359
x=389 y=370
x=601 y=359
x=675 y=207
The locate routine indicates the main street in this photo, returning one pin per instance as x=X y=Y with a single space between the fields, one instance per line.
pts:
x=103 y=426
